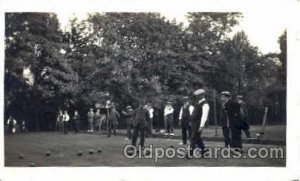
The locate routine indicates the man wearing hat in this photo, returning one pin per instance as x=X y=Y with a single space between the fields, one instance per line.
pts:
x=198 y=119
x=244 y=115
x=141 y=119
x=185 y=119
x=128 y=115
x=168 y=120
x=90 y=116
x=231 y=122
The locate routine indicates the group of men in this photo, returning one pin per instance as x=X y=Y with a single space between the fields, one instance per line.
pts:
x=193 y=117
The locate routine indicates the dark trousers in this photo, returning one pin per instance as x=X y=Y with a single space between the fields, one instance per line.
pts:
x=76 y=127
x=236 y=137
x=232 y=137
x=111 y=126
x=61 y=126
x=66 y=125
x=196 y=140
x=137 y=130
x=149 y=127
x=169 y=124
x=129 y=128
x=226 y=135
x=186 y=129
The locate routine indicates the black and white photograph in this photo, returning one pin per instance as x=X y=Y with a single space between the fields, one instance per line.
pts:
x=145 y=89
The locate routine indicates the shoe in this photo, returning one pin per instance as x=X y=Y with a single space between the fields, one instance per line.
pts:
x=126 y=138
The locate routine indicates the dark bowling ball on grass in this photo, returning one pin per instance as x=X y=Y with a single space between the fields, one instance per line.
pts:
x=99 y=150
x=48 y=153
x=91 y=151
x=130 y=152
x=147 y=152
x=79 y=153
x=21 y=156
x=171 y=146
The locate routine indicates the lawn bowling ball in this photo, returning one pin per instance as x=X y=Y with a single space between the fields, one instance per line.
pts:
x=130 y=152
x=79 y=153
x=21 y=156
x=147 y=153
x=258 y=136
x=91 y=151
x=99 y=150
x=171 y=146
x=32 y=164
x=48 y=153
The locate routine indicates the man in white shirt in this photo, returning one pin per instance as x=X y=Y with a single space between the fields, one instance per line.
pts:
x=12 y=124
x=66 y=119
x=150 y=123
x=199 y=118
x=185 y=120
x=168 y=120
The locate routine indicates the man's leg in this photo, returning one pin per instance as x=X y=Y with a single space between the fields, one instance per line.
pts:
x=226 y=135
x=166 y=126
x=199 y=141
x=171 y=122
x=135 y=135
x=183 y=132
x=142 y=134
x=109 y=128
x=129 y=136
x=236 y=137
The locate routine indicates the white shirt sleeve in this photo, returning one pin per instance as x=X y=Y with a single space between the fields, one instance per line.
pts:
x=151 y=113
x=168 y=110
x=191 y=109
x=180 y=113
x=205 y=110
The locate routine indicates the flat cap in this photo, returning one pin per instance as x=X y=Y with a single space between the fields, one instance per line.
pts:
x=226 y=93
x=199 y=92
x=239 y=97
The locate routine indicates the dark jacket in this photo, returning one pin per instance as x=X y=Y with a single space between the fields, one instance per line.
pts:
x=128 y=115
x=231 y=110
x=141 y=117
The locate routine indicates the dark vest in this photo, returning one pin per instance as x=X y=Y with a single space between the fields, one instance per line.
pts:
x=197 y=114
x=186 y=117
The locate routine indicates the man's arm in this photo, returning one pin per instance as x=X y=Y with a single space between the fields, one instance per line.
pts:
x=205 y=110
x=180 y=114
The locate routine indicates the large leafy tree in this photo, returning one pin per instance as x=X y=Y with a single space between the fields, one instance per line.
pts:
x=33 y=42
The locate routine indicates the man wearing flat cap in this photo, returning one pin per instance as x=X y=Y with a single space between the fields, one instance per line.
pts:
x=185 y=120
x=128 y=115
x=231 y=122
x=198 y=119
x=168 y=120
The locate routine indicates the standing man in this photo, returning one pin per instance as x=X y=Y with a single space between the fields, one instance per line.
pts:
x=185 y=120
x=90 y=116
x=168 y=120
x=231 y=122
x=199 y=118
x=76 y=119
x=97 y=118
x=12 y=124
x=244 y=115
x=150 y=123
x=66 y=119
x=128 y=115
x=60 y=122
x=114 y=118
x=140 y=122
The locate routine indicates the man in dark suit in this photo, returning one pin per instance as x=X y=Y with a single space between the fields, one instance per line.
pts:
x=231 y=122
x=140 y=123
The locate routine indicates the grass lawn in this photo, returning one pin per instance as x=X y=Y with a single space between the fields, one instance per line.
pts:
x=64 y=150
